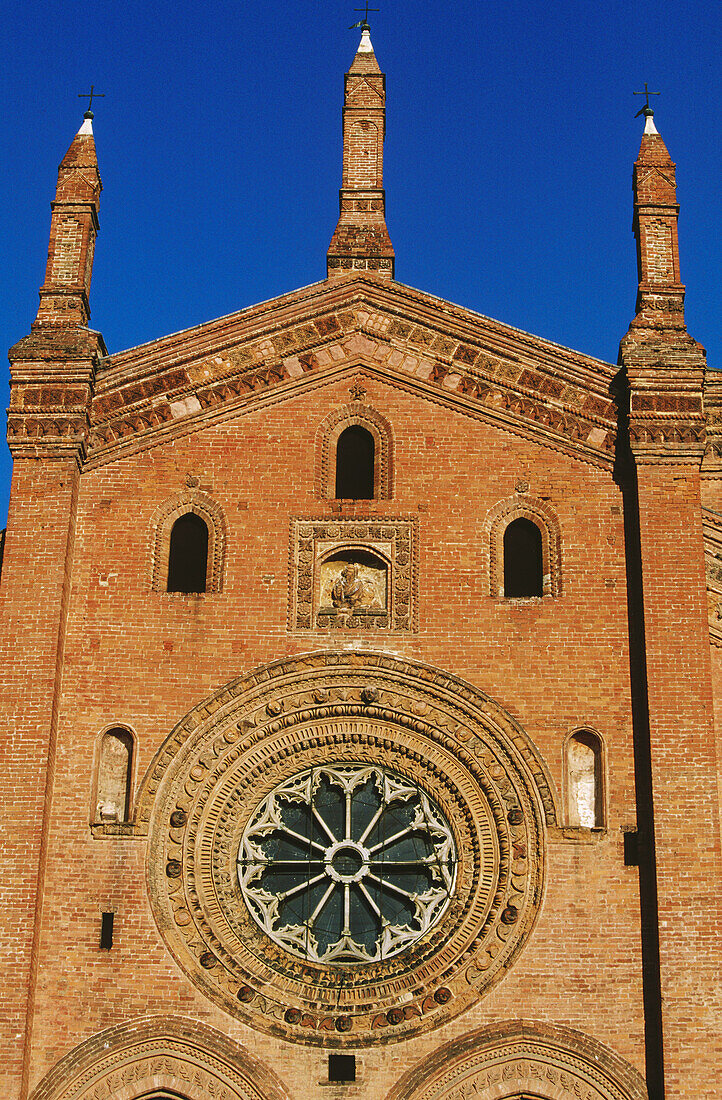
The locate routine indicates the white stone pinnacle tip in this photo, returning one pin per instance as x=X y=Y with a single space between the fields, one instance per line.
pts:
x=87 y=127
x=365 y=43
x=649 y=127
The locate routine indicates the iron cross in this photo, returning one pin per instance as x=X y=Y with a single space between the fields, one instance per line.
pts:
x=646 y=93
x=91 y=95
x=365 y=21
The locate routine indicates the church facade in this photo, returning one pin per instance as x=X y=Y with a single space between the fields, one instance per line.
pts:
x=362 y=665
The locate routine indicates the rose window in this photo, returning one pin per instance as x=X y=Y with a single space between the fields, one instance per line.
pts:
x=347 y=863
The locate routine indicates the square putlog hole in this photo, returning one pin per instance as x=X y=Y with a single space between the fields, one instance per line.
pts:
x=342 y=1067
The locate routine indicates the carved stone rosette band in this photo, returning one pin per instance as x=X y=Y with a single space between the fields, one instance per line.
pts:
x=383 y=553
x=453 y=748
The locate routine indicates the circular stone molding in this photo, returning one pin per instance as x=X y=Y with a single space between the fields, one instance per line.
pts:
x=460 y=759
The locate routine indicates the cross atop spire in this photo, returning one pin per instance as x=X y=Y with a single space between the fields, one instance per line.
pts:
x=91 y=95
x=646 y=110
x=364 y=24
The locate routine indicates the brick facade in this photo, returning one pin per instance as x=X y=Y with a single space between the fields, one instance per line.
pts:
x=569 y=960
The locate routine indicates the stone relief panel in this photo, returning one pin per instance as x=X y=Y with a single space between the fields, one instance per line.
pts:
x=346 y=848
x=353 y=575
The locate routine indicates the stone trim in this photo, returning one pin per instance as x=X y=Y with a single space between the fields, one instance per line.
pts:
x=192 y=500
x=327 y=436
x=160 y=1052
x=712 y=531
x=520 y=1057
x=539 y=512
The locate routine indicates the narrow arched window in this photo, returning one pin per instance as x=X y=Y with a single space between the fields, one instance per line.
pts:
x=188 y=556
x=523 y=559
x=355 y=459
x=114 y=776
x=585 y=790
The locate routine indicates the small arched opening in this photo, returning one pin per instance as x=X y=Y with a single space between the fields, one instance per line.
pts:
x=585 y=780
x=188 y=555
x=355 y=464
x=115 y=771
x=523 y=559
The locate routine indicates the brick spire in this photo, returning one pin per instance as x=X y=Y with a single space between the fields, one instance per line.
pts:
x=361 y=241
x=660 y=299
x=52 y=370
x=665 y=366
x=73 y=229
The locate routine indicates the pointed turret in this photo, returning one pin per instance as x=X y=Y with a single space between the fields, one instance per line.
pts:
x=661 y=295
x=73 y=229
x=52 y=370
x=361 y=241
x=665 y=366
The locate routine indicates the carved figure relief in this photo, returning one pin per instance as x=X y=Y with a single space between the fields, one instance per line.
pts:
x=353 y=575
x=335 y=825
x=355 y=584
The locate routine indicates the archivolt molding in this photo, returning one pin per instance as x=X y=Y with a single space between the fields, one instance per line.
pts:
x=160 y=1052
x=521 y=506
x=161 y=524
x=522 y=1058
x=224 y=758
x=327 y=437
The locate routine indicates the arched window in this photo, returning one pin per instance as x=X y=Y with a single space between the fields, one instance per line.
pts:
x=584 y=780
x=188 y=555
x=523 y=559
x=114 y=776
x=355 y=462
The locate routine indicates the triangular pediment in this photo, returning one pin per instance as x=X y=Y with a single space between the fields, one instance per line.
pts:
x=272 y=351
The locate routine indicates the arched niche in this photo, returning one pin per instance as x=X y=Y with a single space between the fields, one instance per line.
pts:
x=353 y=579
x=112 y=786
x=584 y=787
x=188 y=555
x=537 y=514
x=376 y=429
x=192 y=509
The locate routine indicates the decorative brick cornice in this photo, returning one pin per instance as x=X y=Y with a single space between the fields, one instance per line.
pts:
x=52 y=374
x=483 y=368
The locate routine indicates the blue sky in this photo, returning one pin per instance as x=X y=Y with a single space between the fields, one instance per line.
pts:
x=510 y=141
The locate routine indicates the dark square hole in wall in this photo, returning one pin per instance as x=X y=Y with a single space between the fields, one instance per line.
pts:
x=342 y=1067
x=631 y=849
x=106 y=931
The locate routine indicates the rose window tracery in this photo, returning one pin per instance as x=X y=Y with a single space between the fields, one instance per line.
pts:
x=347 y=863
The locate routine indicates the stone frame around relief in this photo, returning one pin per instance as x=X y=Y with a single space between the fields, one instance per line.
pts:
x=391 y=542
